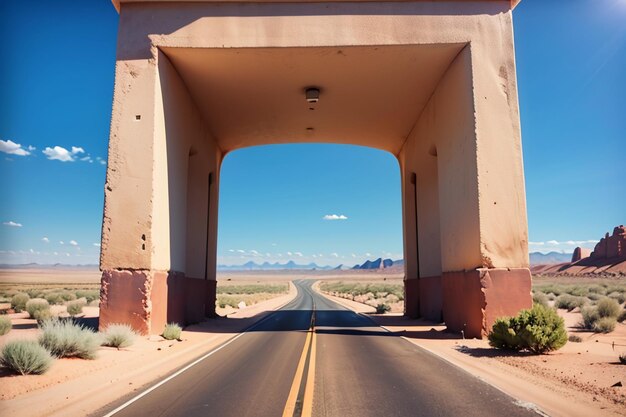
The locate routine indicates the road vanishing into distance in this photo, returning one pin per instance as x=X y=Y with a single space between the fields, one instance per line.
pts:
x=315 y=357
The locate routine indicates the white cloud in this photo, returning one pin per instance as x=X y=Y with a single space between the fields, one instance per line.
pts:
x=368 y=254
x=231 y=250
x=73 y=243
x=334 y=217
x=45 y=239
x=96 y=245
x=552 y=242
x=289 y=253
x=61 y=242
x=298 y=254
x=241 y=251
x=334 y=255
x=12 y=148
x=59 y=153
x=12 y=224
x=353 y=255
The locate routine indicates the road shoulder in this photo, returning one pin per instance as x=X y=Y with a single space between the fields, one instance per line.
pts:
x=535 y=389
x=80 y=388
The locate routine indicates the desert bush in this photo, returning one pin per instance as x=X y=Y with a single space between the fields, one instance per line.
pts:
x=622 y=316
x=578 y=291
x=605 y=324
x=66 y=339
x=595 y=296
x=25 y=357
x=34 y=293
x=622 y=358
x=5 y=325
x=590 y=316
x=119 y=336
x=253 y=289
x=569 y=302
x=172 y=331
x=43 y=315
x=88 y=295
x=54 y=298
x=538 y=330
x=540 y=298
x=18 y=301
x=35 y=307
x=620 y=297
x=382 y=308
x=596 y=289
x=608 y=307
x=75 y=307
x=574 y=338
x=68 y=296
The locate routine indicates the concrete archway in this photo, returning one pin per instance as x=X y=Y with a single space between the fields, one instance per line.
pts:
x=431 y=82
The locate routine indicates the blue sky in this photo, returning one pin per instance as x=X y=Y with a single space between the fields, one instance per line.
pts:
x=56 y=88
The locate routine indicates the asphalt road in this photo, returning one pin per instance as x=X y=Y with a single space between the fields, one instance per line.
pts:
x=360 y=370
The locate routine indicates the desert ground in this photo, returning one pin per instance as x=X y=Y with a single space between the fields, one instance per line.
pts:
x=585 y=377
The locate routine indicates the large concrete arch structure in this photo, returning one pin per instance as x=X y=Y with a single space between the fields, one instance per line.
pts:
x=431 y=82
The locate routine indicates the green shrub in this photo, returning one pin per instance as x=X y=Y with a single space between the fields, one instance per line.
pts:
x=608 y=307
x=5 y=325
x=540 y=298
x=42 y=316
x=620 y=297
x=34 y=293
x=537 y=330
x=35 y=307
x=75 y=307
x=54 y=298
x=605 y=325
x=382 y=308
x=569 y=302
x=590 y=316
x=25 y=357
x=172 y=331
x=574 y=338
x=18 y=302
x=66 y=339
x=68 y=296
x=88 y=295
x=119 y=336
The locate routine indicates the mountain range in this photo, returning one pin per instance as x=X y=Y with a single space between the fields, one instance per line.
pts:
x=291 y=265
x=550 y=258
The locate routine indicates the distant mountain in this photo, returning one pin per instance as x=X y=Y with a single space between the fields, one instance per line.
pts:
x=266 y=266
x=379 y=263
x=551 y=258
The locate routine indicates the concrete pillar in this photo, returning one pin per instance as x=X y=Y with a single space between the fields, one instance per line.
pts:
x=466 y=156
x=159 y=232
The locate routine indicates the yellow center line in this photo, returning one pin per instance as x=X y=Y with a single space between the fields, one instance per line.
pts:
x=290 y=406
x=307 y=404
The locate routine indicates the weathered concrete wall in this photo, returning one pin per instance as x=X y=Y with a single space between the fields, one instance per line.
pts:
x=470 y=127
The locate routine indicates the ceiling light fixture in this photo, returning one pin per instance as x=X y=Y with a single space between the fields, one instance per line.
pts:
x=312 y=94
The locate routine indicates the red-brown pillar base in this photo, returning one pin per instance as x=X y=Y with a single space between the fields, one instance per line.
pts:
x=412 y=298
x=472 y=300
x=147 y=300
x=430 y=298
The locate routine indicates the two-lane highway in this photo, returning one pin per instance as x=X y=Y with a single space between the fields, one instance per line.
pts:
x=356 y=369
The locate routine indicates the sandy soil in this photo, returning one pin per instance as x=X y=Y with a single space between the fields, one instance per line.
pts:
x=50 y=276
x=573 y=381
x=74 y=387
